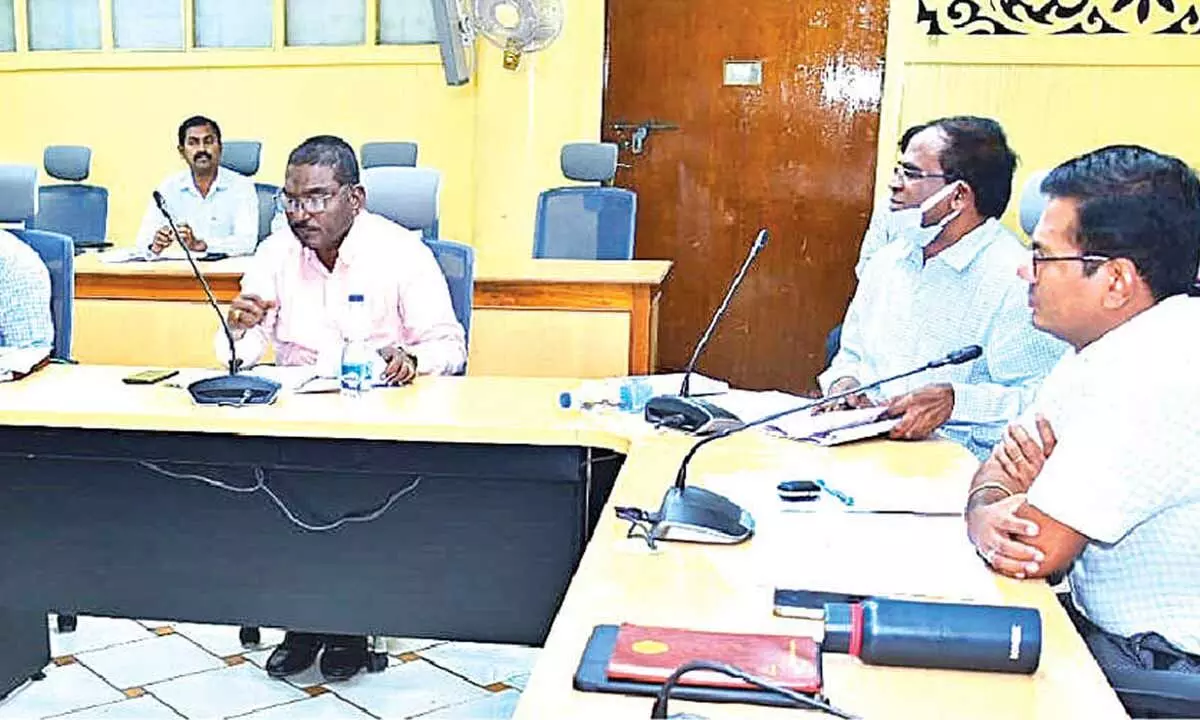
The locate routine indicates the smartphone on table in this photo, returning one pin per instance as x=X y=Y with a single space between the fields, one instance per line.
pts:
x=148 y=377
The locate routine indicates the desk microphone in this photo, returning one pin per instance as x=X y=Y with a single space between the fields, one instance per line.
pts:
x=690 y=414
x=692 y=514
x=231 y=389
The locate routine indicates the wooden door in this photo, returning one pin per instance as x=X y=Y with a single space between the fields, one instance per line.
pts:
x=794 y=154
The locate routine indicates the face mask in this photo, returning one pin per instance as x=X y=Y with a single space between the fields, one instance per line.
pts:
x=909 y=223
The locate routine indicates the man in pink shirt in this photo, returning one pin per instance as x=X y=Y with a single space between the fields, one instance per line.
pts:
x=295 y=297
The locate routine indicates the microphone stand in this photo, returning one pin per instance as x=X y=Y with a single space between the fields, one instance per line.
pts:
x=692 y=514
x=231 y=389
x=683 y=411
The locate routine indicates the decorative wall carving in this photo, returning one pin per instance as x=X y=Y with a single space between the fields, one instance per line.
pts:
x=1059 y=17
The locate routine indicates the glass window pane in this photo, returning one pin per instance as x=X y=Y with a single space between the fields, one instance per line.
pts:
x=147 y=24
x=406 y=22
x=8 y=38
x=64 y=24
x=321 y=22
x=234 y=23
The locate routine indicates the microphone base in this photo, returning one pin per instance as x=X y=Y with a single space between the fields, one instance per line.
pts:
x=235 y=390
x=689 y=414
x=697 y=515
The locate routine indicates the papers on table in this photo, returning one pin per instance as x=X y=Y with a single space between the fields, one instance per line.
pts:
x=831 y=428
x=885 y=555
x=668 y=384
x=15 y=362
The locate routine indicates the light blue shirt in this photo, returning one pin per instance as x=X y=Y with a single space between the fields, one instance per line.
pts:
x=1126 y=472
x=25 y=319
x=879 y=232
x=907 y=312
x=226 y=220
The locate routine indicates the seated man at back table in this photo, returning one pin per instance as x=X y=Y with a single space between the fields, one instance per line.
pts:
x=949 y=281
x=214 y=208
x=295 y=297
x=25 y=318
x=1101 y=476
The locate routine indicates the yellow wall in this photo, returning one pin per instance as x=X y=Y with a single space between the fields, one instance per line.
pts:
x=496 y=140
x=1056 y=96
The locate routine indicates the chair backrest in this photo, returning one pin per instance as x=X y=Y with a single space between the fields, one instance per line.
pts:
x=388 y=154
x=585 y=223
x=241 y=156
x=267 y=195
x=79 y=211
x=458 y=265
x=1033 y=202
x=405 y=195
x=589 y=161
x=58 y=254
x=18 y=184
x=1156 y=693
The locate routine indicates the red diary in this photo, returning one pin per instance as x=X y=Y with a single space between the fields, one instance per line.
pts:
x=651 y=654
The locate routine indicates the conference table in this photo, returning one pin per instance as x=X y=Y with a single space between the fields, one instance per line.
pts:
x=124 y=500
x=548 y=318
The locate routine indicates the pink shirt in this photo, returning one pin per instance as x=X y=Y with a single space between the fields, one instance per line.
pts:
x=401 y=282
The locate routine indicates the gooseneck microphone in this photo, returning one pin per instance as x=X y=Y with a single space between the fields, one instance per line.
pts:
x=682 y=411
x=231 y=389
x=693 y=514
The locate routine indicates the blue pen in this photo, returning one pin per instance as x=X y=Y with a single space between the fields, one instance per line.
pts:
x=846 y=499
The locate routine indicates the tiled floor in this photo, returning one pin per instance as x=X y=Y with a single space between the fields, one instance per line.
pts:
x=114 y=669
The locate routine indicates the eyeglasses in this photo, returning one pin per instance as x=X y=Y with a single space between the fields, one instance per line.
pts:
x=908 y=174
x=311 y=204
x=1037 y=260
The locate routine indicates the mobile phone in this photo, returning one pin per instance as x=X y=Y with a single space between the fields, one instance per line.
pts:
x=798 y=490
x=809 y=604
x=212 y=256
x=148 y=377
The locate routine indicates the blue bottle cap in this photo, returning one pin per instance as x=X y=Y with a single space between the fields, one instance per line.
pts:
x=356 y=298
x=564 y=399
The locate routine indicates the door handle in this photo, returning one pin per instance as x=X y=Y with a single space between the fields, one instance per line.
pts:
x=639 y=132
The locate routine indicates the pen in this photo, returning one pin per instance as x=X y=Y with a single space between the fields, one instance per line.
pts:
x=846 y=499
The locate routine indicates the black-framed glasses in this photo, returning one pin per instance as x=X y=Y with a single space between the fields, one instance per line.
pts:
x=1037 y=260
x=909 y=174
x=311 y=204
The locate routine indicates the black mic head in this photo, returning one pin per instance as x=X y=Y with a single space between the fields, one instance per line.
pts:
x=158 y=200
x=962 y=355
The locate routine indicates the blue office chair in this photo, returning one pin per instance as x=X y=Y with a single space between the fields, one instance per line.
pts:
x=76 y=210
x=405 y=195
x=458 y=265
x=243 y=157
x=1033 y=202
x=586 y=223
x=17 y=186
x=388 y=154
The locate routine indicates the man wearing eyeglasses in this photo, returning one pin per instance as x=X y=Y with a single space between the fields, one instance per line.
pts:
x=295 y=298
x=1101 y=477
x=215 y=208
x=948 y=280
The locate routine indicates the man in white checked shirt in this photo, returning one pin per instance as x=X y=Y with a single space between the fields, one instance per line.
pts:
x=1101 y=476
x=948 y=281
x=25 y=319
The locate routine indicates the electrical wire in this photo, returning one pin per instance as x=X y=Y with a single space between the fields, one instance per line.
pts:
x=800 y=700
x=260 y=484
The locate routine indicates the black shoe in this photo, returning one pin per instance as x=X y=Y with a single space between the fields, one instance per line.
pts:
x=294 y=655
x=344 y=656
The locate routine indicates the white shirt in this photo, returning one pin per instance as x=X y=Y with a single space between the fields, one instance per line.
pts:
x=227 y=219
x=907 y=312
x=1126 y=472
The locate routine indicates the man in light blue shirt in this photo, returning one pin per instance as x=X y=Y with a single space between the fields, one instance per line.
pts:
x=214 y=208
x=949 y=280
x=25 y=319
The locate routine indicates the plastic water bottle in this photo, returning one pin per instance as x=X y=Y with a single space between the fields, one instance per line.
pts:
x=635 y=392
x=356 y=352
x=628 y=394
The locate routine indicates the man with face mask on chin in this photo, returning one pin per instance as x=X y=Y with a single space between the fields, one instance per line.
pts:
x=948 y=280
x=295 y=296
x=215 y=209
